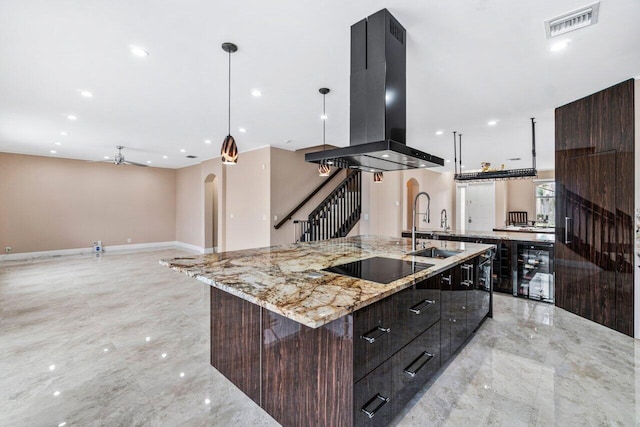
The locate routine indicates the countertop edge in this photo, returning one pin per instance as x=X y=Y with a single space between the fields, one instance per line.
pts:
x=338 y=313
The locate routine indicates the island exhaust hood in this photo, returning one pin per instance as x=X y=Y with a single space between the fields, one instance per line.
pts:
x=378 y=111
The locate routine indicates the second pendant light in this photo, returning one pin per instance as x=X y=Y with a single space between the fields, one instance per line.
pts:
x=323 y=168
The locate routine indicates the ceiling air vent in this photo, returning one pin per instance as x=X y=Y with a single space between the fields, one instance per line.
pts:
x=574 y=20
x=191 y=156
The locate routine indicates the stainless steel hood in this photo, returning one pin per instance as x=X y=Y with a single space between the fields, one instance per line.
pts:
x=378 y=102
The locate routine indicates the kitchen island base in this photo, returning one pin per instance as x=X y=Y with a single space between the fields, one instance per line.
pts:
x=358 y=370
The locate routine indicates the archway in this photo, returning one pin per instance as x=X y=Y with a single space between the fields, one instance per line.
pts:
x=211 y=214
x=413 y=188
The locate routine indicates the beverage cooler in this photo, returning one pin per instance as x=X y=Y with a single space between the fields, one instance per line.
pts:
x=533 y=271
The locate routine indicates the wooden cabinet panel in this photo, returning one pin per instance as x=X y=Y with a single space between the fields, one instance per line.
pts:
x=594 y=207
x=307 y=373
x=235 y=341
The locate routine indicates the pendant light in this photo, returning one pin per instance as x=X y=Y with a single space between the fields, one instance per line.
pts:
x=377 y=177
x=323 y=168
x=229 y=150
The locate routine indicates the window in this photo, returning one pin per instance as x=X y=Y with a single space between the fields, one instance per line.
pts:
x=546 y=203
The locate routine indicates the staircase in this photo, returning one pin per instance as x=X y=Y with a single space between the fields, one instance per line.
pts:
x=337 y=214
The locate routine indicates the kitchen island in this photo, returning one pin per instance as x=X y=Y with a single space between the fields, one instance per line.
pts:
x=313 y=347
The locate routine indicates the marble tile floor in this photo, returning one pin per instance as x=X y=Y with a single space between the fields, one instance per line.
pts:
x=121 y=341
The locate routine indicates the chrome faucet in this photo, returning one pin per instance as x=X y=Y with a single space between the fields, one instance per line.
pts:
x=427 y=216
x=443 y=219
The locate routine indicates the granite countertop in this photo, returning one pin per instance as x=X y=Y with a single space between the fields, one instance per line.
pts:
x=498 y=235
x=284 y=279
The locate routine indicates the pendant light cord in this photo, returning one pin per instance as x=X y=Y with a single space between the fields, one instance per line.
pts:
x=324 y=121
x=229 y=103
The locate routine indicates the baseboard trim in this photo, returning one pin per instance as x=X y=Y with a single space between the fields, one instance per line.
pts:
x=107 y=249
x=190 y=247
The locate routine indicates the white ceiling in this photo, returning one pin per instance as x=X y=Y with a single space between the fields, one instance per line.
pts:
x=467 y=63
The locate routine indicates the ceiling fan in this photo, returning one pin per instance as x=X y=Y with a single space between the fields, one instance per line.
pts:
x=118 y=159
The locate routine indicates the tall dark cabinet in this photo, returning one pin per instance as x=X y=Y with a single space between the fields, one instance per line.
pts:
x=594 y=155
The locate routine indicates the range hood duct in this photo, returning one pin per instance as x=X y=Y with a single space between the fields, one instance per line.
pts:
x=378 y=120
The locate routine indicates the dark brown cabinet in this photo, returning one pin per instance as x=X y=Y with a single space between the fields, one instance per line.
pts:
x=594 y=207
x=360 y=369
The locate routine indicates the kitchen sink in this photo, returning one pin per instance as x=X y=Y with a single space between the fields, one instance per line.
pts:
x=435 y=253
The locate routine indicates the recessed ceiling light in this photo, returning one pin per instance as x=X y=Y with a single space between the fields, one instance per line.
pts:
x=242 y=130
x=372 y=170
x=52 y=367
x=63 y=133
x=138 y=51
x=58 y=143
x=53 y=151
x=149 y=161
x=56 y=393
x=439 y=132
x=492 y=122
x=62 y=424
x=256 y=93
x=72 y=117
x=164 y=355
x=183 y=150
x=462 y=166
x=207 y=141
x=286 y=141
x=86 y=94
x=181 y=374
x=165 y=157
x=207 y=401
x=323 y=117
x=559 y=45
x=448 y=161
x=106 y=157
x=385 y=156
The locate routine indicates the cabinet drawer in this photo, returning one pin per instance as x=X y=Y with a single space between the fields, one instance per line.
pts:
x=374 y=333
x=414 y=365
x=417 y=309
x=372 y=398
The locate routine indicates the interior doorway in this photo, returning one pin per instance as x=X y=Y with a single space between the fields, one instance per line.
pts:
x=211 y=214
x=475 y=207
x=413 y=188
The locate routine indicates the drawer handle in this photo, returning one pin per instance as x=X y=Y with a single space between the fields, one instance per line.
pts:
x=371 y=412
x=413 y=372
x=417 y=309
x=447 y=279
x=374 y=334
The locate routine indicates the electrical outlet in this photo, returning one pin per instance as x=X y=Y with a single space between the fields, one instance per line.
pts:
x=7 y=249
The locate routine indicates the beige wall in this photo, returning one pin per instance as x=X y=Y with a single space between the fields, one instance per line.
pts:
x=189 y=206
x=388 y=204
x=248 y=197
x=52 y=204
x=521 y=196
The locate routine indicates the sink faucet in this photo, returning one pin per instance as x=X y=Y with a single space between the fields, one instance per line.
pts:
x=443 y=219
x=428 y=217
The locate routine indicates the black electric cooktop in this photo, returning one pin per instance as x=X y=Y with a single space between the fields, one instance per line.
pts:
x=379 y=269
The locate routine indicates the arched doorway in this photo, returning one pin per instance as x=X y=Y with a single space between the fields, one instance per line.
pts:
x=413 y=188
x=211 y=214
